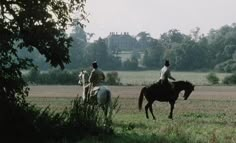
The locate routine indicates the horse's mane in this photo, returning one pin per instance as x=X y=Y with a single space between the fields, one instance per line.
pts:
x=183 y=83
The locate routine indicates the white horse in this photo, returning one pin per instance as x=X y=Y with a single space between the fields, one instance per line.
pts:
x=102 y=93
x=83 y=80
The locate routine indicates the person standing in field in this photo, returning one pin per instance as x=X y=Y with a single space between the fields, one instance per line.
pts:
x=96 y=77
x=165 y=74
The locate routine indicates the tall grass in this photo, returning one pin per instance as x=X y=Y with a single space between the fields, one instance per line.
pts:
x=28 y=123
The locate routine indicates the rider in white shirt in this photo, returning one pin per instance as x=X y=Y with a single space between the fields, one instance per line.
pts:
x=165 y=75
x=165 y=72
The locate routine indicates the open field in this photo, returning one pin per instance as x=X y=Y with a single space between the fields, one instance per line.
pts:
x=209 y=115
x=150 y=76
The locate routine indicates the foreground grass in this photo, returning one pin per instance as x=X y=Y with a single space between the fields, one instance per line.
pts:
x=195 y=121
x=181 y=129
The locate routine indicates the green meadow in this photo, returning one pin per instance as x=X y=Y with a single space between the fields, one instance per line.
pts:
x=208 y=116
x=151 y=76
x=195 y=121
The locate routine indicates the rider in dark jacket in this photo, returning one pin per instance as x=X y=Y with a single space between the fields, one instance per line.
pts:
x=96 y=78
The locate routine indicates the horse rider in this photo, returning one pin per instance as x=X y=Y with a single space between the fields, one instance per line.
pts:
x=96 y=78
x=165 y=75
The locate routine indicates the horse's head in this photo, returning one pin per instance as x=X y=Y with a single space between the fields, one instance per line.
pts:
x=188 y=89
x=83 y=77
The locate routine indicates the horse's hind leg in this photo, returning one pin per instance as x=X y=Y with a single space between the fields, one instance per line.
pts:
x=172 y=105
x=146 y=110
x=154 y=118
x=149 y=105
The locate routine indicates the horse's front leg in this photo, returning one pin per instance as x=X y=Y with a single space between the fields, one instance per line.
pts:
x=86 y=93
x=172 y=105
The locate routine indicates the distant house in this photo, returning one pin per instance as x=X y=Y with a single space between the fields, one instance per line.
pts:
x=120 y=42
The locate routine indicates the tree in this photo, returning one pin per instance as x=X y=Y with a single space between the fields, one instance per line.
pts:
x=33 y=25
x=77 y=50
x=131 y=64
x=172 y=37
x=37 y=58
x=99 y=51
x=153 y=56
x=230 y=80
x=220 y=42
x=195 y=34
x=144 y=39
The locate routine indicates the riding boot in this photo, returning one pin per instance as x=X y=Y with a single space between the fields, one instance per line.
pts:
x=169 y=89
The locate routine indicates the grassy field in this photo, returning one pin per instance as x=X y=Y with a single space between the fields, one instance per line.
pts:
x=150 y=76
x=208 y=116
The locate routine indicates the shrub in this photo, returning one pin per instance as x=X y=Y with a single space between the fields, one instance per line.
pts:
x=130 y=64
x=231 y=79
x=112 y=78
x=212 y=78
x=87 y=118
x=53 y=77
x=33 y=76
x=84 y=117
x=28 y=123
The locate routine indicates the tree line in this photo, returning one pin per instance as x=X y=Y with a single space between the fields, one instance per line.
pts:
x=193 y=52
x=215 y=51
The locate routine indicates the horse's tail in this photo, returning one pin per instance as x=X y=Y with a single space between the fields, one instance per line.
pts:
x=108 y=92
x=140 y=100
x=109 y=104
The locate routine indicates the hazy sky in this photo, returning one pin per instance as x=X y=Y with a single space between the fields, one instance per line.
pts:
x=157 y=16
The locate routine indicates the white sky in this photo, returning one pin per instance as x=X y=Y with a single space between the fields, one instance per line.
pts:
x=157 y=16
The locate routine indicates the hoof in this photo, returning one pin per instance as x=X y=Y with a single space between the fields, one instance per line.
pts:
x=170 y=117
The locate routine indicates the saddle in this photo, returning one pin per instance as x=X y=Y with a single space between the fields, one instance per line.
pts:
x=165 y=84
x=164 y=87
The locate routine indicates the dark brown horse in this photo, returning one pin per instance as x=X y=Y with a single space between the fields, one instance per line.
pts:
x=157 y=92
